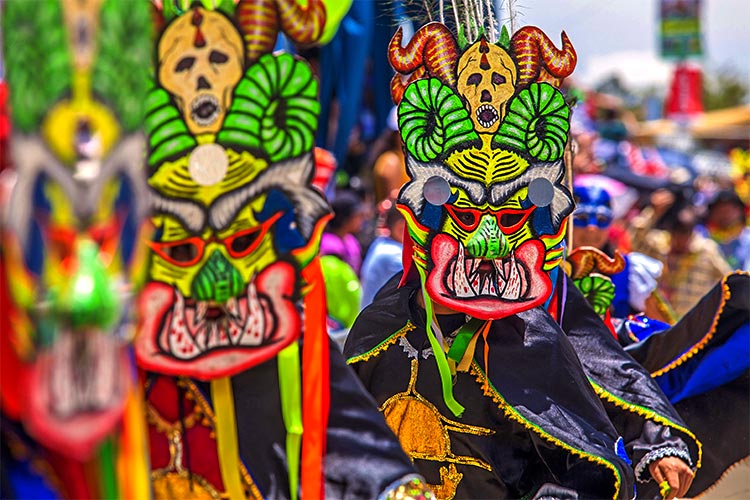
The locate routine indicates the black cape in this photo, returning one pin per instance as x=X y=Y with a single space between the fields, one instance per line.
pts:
x=639 y=410
x=702 y=364
x=545 y=423
x=363 y=457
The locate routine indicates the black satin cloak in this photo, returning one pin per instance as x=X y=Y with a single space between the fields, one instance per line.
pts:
x=638 y=408
x=719 y=417
x=363 y=457
x=549 y=426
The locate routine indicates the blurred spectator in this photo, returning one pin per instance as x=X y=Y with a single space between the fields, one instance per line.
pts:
x=726 y=224
x=692 y=263
x=383 y=259
x=340 y=239
x=636 y=284
x=389 y=169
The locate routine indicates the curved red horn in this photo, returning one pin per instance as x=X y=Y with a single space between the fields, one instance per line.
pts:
x=432 y=47
x=302 y=24
x=585 y=260
x=398 y=86
x=539 y=60
x=259 y=24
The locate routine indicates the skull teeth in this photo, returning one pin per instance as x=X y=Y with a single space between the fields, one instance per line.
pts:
x=482 y=115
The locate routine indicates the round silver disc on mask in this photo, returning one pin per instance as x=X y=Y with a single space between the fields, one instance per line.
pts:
x=436 y=190
x=208 y=164
x=541 y=192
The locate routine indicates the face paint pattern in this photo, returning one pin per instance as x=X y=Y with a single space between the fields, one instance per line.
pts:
x=231 y=134
x=73 y=213
x=487 y=250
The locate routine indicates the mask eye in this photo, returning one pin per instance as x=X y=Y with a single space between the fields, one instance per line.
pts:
x=509 y=220
x=498 y=79
x=581 y=219
x=603 y=220
x=183 y=253
x=243 y=244
x=467 y=219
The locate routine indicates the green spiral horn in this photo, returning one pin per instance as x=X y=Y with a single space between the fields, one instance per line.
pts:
x=537 y=123
x=433 y=120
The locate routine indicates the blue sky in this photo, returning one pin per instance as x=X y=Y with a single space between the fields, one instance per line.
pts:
x=610 y=34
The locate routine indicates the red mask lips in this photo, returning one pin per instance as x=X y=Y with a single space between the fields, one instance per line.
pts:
x=77 y=391
x=487 y=288
x=180 y=336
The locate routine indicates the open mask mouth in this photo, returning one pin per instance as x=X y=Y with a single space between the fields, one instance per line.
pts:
x=207 y=340
x=77 y=391
x=487 y=288
x=487 y=115
x=204 y=110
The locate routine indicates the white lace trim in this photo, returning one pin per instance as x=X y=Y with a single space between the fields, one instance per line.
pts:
x=642 y=473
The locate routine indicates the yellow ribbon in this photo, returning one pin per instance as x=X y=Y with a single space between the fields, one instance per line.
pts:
x=226 y=437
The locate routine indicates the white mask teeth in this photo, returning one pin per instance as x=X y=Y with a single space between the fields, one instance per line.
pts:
x=181 y=343
x=460 y=280
x=513 y=287
x=200 y=311
x=255 y=324
x=233 y=307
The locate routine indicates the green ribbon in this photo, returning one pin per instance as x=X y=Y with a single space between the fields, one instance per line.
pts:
x=463 y=338
x=446 y=379
x=290 y=390
x=107 y=474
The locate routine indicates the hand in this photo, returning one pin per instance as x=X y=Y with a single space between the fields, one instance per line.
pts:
x=674 y=471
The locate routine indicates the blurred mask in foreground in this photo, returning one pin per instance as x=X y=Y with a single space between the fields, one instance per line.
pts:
x=76 y=78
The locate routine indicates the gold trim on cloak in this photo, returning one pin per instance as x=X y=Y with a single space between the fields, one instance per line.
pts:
x=424 y=434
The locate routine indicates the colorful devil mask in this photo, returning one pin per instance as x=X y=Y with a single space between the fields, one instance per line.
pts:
x=231 y=130
x=76 y=85
x=484 y=137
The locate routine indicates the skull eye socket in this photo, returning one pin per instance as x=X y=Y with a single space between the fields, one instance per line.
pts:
x=217 y=57
x=498 y=79
x=184 y=64
x=474 y=79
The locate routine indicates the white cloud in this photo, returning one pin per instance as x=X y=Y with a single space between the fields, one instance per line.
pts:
x=637 y=69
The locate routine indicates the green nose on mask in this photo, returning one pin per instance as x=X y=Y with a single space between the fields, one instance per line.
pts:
x=488 y=242
x=217 y=281
x=88 y=298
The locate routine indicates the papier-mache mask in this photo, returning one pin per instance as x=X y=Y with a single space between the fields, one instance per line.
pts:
x=231 y=132
x=77 y=79
x=484 y=129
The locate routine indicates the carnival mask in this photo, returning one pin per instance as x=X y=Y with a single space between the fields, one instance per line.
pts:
x=235 y=218
x=485 y=206
x=73 y=216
